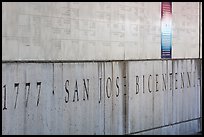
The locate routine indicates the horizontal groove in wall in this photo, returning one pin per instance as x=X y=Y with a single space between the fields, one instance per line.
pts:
x=166 y=125
x=89 y=61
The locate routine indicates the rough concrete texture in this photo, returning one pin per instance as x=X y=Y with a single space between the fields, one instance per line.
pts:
x=96 y=30
x=102 y=97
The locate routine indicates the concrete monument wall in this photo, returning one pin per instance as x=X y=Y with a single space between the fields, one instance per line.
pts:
x=101 y=98
x=96 y=68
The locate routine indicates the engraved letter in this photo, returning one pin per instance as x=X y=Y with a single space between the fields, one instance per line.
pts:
x=38 y=85
x=4 y=97
x=164 y=81
x=143 y=83
x=16 y=85
x=182 y=80
x=176 y=80
x=86 y=89
x=189 y=82
x=170 y=81
x=107 y=86
x=148 y=83
x=66 y=88
x=100 y=79
x=157 y=82
x=27 y=93
x=76 y=91
x=117 y=94
x=137 y=85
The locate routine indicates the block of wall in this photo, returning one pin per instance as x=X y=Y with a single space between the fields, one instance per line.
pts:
x=168 y=93
x=185 y=21
x=100 y=97
x=95 y=31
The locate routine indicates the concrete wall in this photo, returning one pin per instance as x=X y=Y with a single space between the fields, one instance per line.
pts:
x=161 y=94
x=96 y=30
x=61 y=72
x=185 y=20
x=100 y=98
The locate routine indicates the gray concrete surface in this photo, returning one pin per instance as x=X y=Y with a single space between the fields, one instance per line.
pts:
x=101 y=97
x=96 y=31
x=43 y=92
